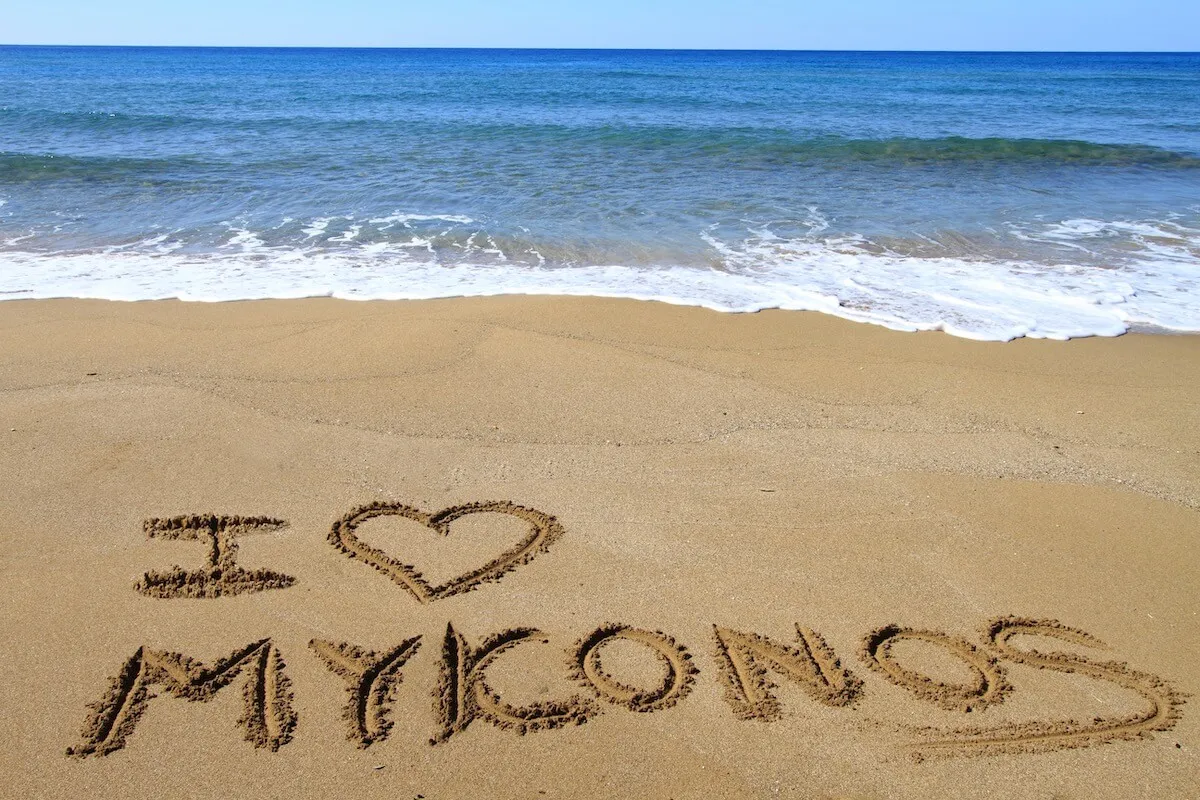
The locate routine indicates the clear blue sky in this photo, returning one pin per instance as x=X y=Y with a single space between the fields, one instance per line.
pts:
x=749 y=24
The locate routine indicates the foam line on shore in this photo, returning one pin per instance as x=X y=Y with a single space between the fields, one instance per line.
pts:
x=977 y=300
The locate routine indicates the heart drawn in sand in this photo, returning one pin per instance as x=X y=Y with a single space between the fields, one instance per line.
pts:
x=543 y=530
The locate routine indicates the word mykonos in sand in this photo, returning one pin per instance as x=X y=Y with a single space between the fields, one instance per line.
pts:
x=743 y=661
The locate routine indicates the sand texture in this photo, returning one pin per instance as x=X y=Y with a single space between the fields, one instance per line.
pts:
x=585 y=548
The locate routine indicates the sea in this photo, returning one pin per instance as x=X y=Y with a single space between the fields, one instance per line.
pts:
x=989 y=195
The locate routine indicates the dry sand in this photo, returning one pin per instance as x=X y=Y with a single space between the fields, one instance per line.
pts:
x=555 y=547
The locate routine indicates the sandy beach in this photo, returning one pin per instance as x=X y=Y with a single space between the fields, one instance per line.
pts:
x=527 y=547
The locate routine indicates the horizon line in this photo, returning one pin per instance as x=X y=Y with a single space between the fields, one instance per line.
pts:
x=592 y=49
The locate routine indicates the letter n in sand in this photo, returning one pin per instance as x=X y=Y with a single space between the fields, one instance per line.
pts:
x=745 y=658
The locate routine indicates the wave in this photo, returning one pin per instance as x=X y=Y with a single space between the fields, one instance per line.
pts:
x=98 y=119
x=779 y=146
x=734 y=147
x=644 y=75
x=16 y=168
x=959 y=148
x=846 y=276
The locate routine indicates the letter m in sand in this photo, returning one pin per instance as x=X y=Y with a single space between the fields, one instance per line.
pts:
x=267 y=717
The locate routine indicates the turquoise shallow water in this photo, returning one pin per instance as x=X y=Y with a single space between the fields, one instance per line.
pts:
x=993 y=195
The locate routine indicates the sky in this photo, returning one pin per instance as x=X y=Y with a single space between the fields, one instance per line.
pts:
x=704 y=24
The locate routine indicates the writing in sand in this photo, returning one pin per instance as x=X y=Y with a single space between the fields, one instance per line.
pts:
x=748 y=665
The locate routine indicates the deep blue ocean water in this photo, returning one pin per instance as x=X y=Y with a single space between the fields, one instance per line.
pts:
x=992 y=195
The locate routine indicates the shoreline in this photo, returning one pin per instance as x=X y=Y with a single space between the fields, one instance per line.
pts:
x=852 y=316
x=410 y=484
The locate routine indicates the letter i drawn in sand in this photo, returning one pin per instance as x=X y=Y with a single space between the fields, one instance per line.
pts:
x=221 y=575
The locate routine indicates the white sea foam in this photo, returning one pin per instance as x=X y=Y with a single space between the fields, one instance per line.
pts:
x=403 y=219
x=245 y=239
x=9 y=242
x=348 y=235
x=1157 y=284
x=316 y=227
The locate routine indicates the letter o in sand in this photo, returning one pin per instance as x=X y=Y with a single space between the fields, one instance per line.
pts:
x=987 y=687
x=587 y=668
